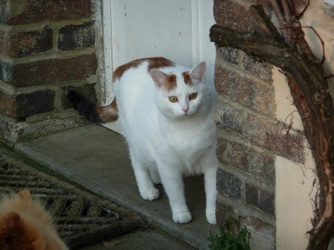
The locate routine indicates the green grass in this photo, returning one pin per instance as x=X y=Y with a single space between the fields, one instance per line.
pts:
x=231 y=236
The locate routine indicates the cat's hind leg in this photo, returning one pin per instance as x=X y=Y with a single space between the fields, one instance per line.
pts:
x=144 y=181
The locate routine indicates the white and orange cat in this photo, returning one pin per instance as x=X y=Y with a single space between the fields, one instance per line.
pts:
x=25 y=225
x=166 y=113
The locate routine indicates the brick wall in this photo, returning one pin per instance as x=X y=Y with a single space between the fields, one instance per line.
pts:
x=250 y=135
x=45 y=48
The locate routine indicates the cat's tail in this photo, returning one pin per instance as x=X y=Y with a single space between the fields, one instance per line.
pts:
x=92 y=111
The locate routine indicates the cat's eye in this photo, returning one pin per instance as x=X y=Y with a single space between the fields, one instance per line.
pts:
x=173 y=99
x=193 y=96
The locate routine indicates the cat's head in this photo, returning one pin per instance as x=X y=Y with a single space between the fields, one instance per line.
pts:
x=16 y=234
x=182 y=94
x=22 y=230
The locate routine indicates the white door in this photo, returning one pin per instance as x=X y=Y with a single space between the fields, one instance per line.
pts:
x=175 y=29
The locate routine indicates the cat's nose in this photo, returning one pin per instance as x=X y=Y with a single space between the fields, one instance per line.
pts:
x=185 y=109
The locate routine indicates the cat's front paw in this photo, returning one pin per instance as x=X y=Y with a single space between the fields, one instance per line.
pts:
x=211 y=218
x=150 y=194
x=182 y=217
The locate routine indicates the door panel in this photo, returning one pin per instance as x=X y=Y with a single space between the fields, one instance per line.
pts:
x=175 y=29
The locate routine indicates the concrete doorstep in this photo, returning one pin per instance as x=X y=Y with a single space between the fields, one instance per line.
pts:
x=97 y=159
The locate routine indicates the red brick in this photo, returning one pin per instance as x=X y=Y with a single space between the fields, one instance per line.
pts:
x=51 y=71
x=7 y=106
x=76 y=36
x=232 y=14
x=260 y=70
x=228 y=184
x=5 y=71
x=20 y=44
x=22 y=11
x=256 y=223
x=34 y=103
x=223 y=212
x=3 y=11
x=230 y=55
x=260 y=198
x=5 y=43
x=262 y=131
x=244 y=158
x=246 y=91
x=262 y=232
x=24 y=105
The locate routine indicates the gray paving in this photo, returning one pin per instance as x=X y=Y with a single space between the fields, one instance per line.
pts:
x=142 y=239
x=97 y=159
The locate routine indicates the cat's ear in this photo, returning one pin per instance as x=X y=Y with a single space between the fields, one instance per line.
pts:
x=158 y=77
x=25 y=195
x=197 y=73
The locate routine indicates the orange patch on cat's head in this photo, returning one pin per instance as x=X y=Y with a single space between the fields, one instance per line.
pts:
x=170 y=82
x=163 y=80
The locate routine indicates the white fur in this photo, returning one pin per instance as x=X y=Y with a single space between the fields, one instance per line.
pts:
x=163 y=140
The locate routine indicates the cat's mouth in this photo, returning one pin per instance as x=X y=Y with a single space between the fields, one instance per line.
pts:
x=186 y=114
